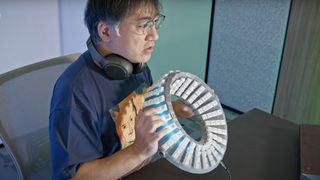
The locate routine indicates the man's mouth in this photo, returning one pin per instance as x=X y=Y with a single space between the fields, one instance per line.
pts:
x=149 y=49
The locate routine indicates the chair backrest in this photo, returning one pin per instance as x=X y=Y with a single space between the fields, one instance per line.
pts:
x=25 y=95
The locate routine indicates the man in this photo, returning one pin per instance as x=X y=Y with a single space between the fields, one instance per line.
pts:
x=83 y=137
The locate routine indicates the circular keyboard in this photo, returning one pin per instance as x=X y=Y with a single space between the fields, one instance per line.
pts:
x=177 y=146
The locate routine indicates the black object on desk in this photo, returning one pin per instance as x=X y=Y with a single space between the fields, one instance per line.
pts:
x=260 y=147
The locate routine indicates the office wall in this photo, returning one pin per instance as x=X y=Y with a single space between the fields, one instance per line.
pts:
x=298 y=94
x=74 y=33
x=29 y=32
x=184 y=38
x=246 y=49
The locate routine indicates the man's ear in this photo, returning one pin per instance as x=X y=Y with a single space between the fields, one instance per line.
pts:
x=104 y=31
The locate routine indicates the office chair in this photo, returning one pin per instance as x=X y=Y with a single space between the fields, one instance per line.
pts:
x=25 y=95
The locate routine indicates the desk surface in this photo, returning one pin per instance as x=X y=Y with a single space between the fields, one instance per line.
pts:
x=260 y=146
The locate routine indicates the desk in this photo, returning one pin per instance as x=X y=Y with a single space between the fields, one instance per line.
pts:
x=260 y=147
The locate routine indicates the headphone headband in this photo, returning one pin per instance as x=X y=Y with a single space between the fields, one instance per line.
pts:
x=94 y=53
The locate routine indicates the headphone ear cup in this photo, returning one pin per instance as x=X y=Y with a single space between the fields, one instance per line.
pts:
x=116 y=67
x=138 y=67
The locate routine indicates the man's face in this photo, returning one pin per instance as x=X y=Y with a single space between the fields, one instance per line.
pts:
x=130 y=42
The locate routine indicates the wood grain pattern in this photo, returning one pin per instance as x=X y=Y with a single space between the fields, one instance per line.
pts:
x=298 y=93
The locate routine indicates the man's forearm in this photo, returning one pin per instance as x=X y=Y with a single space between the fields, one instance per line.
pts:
x=112 y=167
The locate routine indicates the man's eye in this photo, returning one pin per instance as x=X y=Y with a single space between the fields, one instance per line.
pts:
x=140 y=26
x=148 y=24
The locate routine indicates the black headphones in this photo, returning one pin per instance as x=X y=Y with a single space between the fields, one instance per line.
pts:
x=115 y=66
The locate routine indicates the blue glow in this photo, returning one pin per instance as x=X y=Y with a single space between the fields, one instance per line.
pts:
x=158 y=86
x=160 y=128
x=170 y=122
x=162 y=114
x=169 y=135
x=176 y=145
x=188 y=145
x=154 y=96
x=156 y=105
x=180 y=140
x=165 y=125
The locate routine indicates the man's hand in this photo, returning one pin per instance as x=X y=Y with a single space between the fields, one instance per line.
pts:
x=147 y=138
x=131 y=158
x=181 y=110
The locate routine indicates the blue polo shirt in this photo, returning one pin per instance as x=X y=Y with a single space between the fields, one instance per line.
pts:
x=81 y=128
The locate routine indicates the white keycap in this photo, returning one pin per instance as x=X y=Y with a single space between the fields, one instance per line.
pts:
x=214 y=122
x=212 y=161
x=172 y=141
x=181 y=148
x=197 y=160
x=212 y=114
x=183 y=87
x=171 y=127
x=154 y=92
x=217 y=138
x=161 y=109
x=216 y=130
x=205 y=163
x=192 y=87
x=176 y=85
x=154 y=101
x=189 y=155
x=202 y=100
x=208 y=107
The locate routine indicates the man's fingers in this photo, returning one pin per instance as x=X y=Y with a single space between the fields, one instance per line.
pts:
x=161 y=134
x=149 y=115
x=155 y=118
x=156 y=123
x=149 y=112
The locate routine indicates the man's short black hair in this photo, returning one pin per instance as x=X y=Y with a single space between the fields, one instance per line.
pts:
x=112 y=12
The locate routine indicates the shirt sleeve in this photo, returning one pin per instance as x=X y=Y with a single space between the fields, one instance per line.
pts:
x=74 y=138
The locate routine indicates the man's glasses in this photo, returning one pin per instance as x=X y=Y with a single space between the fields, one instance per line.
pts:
x=144 y=28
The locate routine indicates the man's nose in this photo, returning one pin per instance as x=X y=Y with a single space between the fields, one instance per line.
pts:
x=152 y=34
